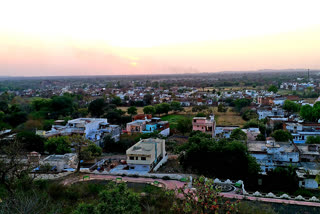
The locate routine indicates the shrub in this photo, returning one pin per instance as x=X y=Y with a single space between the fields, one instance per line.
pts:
x=166 y=178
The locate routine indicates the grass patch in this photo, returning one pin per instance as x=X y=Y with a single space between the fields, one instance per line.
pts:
x=173 y=119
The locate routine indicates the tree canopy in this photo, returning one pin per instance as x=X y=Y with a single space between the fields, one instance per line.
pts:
x=58 y=145
x=184 y=125
x=96 y=107
x=223 y=159
x=238 y=134
x=149 y=110
x=291 y=106
x=273 y=89
x=281 y=135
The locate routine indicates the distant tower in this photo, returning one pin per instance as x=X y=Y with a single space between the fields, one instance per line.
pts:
x=308 y=75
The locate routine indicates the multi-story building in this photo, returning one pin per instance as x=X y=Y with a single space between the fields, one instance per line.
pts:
x=271 y=154
x=93 y=129
x=146 y=154
x=204 y=125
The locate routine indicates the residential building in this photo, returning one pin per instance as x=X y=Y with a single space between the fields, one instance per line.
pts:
x=146 y=154
x=61 y=162
x=224 y=131
x=93 y=129
x=204 y=125
x=270 y=154
x=269 y=112
x=136 y=126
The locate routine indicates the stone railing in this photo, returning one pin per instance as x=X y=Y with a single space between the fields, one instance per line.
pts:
x=283 y=196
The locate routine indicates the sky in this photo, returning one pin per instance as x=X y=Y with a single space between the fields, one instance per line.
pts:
x=118 y=37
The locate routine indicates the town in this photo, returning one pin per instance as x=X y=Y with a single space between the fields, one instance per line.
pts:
x=255 y=135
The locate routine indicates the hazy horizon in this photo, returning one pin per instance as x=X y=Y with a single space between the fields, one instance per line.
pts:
x=80 y=38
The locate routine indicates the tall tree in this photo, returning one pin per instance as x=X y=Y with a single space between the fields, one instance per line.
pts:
x=306 y=113
x=132 y=110
x=149 y=110
x=97 y=107
x=238 y=134
x=184 y=125
x=273 y=89
x=281 y=135
x=176 y=106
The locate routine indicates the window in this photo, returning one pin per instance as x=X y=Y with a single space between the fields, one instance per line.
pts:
x=131 y=158
x=143 y=158
x=137 y=158
x=290 y=159
x=194 y=121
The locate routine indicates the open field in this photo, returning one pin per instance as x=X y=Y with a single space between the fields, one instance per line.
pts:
x=228 y=118
x=222 y=118
x=139 y=109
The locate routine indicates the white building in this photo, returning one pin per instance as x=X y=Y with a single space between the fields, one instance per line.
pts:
x=146 y=154
x=94 y=129
x=270 y=154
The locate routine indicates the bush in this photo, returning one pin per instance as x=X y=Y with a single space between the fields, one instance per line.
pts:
x=303 y=192
x=166 y=178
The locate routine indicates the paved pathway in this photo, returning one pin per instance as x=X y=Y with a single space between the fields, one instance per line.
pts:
x=173 y=184
x=169 y=184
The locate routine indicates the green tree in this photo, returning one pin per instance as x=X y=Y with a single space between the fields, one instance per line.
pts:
x=306 y=113
x=165 y=108
x=184 y=125
x=84 y=208
x=248 y=114
x=91 y=151
x=117 y=101
x=132 y=110
x=313 y=140
x=200 y=114
x=202 y=149
x=260 y=137
x=238 y=134
x=97 y=107
x=176 y=106
x=316 y=111
x=255 y=124
x=115 y=199
x=31 y=141
x=291 y=106
x=4 y=106
x=118 y=200
x=149 y=110
x=16 y=118
x=241 y=103
x=58 y=145
x=281 y=135
x=62 y=105
x=273 y=89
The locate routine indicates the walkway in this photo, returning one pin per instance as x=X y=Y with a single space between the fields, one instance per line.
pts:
x=173 y=184
x=169 y=184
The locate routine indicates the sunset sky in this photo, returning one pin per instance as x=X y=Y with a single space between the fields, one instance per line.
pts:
x=74 y=37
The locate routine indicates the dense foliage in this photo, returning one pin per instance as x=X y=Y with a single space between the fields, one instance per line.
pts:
x=223 y=159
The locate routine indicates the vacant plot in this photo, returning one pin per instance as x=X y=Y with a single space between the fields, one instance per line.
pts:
x=173 y=119
x=228 y=118
x=139 y=109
